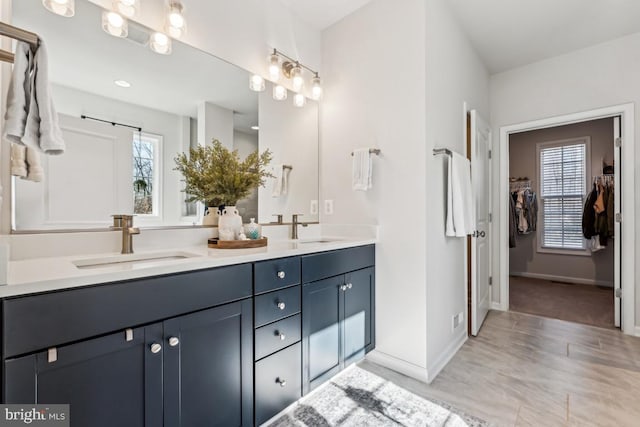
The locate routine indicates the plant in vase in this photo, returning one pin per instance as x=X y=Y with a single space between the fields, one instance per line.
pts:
x=215 y=176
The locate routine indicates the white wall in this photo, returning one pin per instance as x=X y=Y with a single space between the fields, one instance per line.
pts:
x=595 y=77
x=455 y=75
x=400 y=86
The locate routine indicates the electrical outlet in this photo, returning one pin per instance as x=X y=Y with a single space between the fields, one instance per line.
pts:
x=328 y=207
x=313 y=208
x=457 y=320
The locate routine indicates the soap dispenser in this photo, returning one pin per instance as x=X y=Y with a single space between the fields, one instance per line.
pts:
x=252 y=230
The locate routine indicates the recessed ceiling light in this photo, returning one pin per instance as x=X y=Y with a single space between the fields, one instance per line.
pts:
x=122 y=83
x=255 y=127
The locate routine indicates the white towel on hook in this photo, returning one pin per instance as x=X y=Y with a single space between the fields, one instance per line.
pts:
x=460 y=208
x=280 y=180
x=362 y=169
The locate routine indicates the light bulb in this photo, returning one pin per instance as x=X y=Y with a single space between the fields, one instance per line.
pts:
x=114 y=24
x=175 y=25
x=316 y=88
x=160 y=43
x=299 y=100
x=64 y=8
x=256 y=83
x=128 y=8
x=296 y=78
x=274 y=67
x=279 y=92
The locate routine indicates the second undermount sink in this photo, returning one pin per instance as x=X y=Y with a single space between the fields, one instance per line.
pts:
x=131 y=260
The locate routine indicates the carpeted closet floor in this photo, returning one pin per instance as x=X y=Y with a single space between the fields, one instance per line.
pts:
x=587 y=304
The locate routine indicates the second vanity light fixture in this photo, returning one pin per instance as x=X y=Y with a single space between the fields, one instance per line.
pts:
x=114 y=21
x=281 y=65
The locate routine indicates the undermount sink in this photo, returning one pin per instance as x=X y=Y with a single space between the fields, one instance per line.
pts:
x=317 y=241
x=131 y=260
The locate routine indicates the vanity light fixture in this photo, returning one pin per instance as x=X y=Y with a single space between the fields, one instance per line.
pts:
x=114 y=24
x=299 y=100
x=279 y=92
x=122 y=83
x=175 y=25
x=160 y=43
x=127 y=8
x=256 y=83
x=283 y=65
x=66 y=8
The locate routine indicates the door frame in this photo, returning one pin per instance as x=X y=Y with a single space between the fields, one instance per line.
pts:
x=627 y=238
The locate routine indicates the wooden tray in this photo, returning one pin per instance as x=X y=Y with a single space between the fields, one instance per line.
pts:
x=237 y=244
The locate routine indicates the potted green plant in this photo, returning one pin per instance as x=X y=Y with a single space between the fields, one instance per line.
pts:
x=215 y=175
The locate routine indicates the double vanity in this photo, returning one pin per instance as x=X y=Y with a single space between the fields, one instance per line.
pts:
x=191 y=338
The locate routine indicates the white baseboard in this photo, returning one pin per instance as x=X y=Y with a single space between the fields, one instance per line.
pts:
x=497 y=306
x=576 y=280
x=398 y=365
x=445 y=357
x=636 y=331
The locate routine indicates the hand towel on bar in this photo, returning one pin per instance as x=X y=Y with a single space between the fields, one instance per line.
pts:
x=278 y=180
x=460 y=208
x=19 y=94
x=361 y=170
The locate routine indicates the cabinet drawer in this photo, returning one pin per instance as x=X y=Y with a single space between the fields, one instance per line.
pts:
x=278 y=382
x=276 y=305
x=276 y=274
x=329 y=264
x=277 y=336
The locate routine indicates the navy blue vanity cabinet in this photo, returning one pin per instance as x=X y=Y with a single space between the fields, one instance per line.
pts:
x=338 y=306
x=278 y=356
x=185 y=358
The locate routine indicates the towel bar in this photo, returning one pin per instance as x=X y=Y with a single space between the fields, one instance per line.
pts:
x=375 y=151
x=446 y=151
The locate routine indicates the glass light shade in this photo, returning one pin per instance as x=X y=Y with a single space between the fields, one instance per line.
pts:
x=279 y=92
x=274 y=68
x=299 y=100
x=66 y=8
x=175 y=25
x=316 y=88
x=160 y=43
x=296 y=78
x=256 y=83
x=114 y=24
x=127 y=8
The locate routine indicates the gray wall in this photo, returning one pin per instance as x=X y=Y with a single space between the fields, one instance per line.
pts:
x=246 y=143
x=524 y=258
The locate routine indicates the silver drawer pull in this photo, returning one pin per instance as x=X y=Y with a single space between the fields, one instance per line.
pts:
x=281 y=305
x=281 y=382
x=174 y=341
x=343 y=288
x=281 y=274
x=280 y=335
x=155 y=348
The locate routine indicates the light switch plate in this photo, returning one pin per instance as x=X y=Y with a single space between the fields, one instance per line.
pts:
x=328 y=207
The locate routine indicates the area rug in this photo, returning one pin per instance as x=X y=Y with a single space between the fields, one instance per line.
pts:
x=360 y=398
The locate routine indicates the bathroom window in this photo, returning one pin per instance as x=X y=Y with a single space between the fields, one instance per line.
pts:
x=563 y=170
x=146 y=173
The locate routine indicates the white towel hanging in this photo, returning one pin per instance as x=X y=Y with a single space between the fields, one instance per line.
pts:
x=460 y=208
x=362 y=169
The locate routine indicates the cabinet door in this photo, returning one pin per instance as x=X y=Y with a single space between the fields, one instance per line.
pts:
x=358 y=314
x=322 y=308
x=208 y=367
x=107 y=381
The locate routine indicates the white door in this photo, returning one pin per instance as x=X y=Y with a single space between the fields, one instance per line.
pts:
x=616 y=246
x=481 y=241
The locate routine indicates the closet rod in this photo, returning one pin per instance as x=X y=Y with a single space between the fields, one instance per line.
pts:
x=17 y=34
x=112 y=123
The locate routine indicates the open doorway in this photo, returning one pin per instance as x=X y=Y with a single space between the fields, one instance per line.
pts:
x=562 y=216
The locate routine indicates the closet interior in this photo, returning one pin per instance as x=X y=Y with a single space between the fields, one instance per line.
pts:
x=561 y=224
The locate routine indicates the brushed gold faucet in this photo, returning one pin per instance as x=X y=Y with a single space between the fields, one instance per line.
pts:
x=125 y=223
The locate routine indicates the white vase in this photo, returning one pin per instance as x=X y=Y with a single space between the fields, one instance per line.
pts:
x=211 y=215
x=230 y=219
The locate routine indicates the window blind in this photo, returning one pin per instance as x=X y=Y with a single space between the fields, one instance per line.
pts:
x=562 y=188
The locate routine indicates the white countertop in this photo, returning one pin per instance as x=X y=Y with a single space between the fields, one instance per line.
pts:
x=55 y=273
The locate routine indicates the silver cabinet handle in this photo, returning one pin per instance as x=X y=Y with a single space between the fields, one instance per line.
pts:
x=281 y=305
x=174 y=341
x=343 y=288
x=280 y=335
x=281 y=382
x=155 y=348
x=281 y=274
x=349 y=285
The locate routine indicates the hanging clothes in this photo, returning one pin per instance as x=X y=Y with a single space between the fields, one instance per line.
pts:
x=598 y=216
x=589 y=215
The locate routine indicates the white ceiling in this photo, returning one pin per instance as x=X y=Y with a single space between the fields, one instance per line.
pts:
x=323 y=14
x=510 y=33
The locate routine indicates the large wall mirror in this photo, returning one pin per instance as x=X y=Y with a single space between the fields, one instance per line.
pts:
x=170 y=103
